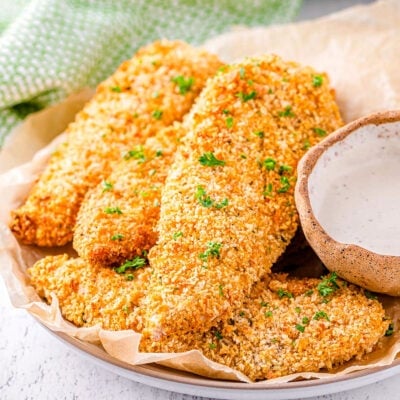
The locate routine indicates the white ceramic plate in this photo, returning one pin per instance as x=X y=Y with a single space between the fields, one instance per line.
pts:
x=181 y=382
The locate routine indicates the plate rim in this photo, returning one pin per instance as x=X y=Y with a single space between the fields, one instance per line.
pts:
x=168 y=379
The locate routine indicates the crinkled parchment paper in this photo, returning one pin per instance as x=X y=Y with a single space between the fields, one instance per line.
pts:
x=359 y=49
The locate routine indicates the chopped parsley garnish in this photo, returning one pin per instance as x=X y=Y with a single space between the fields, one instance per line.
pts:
x=136 y=154
x=284 y=168
x=309 y=293
x=268 y=313
x=221 y=204
x=284 y=293
x=305 y=320
x=202 y=197
x=260 y=134
x=319 y=131
x=269 y=163
x=226 y=112
x=130 y=277
x=229 y=122
x=306 y=144
x=117 y=236
x=213 y=250
x=136 y=263
x=317 y=80
x=184 y=84
x=157 y=114
x=370 y=295
x=112 y=210
x=159 y=153
x=208 y=159
x=328 y=285
x=246 y=96
x=212 y=346
x=241 y=313
x=218 y=335
x=178 y=234
x=221 y=290
x=285 y=185
x=206 y=201
x=243 y=156
x=116 y=89
x=321 y=314
x=264 y=304
x=268 y=190
x=390 y=330
x=287 y=112
x=300 y=328
x=107 y=186
x=298 y=310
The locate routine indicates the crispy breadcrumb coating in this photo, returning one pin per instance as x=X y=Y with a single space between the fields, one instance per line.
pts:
x=134 y=187
x=286 y=326
x=147 y=93
x=227 y=208
x=90 y=295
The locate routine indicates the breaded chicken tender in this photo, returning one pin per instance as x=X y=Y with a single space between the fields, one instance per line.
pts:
x=90 y=295
x=227 y=208
x=287 y=326
x=147 y=93
x=133 y=190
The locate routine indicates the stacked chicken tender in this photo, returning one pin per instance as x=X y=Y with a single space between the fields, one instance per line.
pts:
x=178 y=235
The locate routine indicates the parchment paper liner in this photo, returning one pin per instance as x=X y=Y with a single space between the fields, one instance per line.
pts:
x=358 y=48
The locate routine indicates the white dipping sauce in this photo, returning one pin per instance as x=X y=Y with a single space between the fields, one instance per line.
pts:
x=355 y=189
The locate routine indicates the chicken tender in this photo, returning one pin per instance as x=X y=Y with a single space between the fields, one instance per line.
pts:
x=147 y=93
x=227 y=209
x=90 y=295
x=287 y=326
x=133 y=191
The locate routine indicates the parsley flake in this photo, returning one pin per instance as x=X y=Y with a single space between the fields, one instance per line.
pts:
x=300 y=328
x=305 y=320
x=136 y=154
x=321 y=314
x=268 y=190
x=212 y=346
x=218 y=335
x=328 y=285
x=269 y=164
x=213 y=250
x=184 y=84
x=157 y=114
x=284 y=293
x=221 y=290
x=246 y=96
x=116 y=89
x=136 y=263
x=202 y=197
x=284 y=168
x=117 y=236
x=107 y=186
x=390 y=330
x=178 y=234
x=268 y=313
x=317 y=80
x=285 y=185
x=208 y=159
x=222 y=204
x=229 y=122
x=260 y=134
x=370 y=295
x=112 y=210
x=287 y=112
x=320 y=132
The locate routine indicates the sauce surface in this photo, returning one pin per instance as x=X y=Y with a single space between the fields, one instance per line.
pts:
x=355 y=189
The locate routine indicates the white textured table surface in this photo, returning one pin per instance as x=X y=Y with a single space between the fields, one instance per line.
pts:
x=34 y=365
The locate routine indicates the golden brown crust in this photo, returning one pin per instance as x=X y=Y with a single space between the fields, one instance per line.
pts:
x=90 y=295
x=273 y=335
x=134 y=187
x=133 y=104
x=260 y=110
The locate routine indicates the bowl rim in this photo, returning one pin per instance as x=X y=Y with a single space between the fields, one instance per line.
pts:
x=309 y=160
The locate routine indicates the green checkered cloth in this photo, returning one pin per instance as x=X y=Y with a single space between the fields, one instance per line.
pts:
x=51 y=48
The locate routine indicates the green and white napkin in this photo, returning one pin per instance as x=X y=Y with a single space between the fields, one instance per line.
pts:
x=51 y=48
